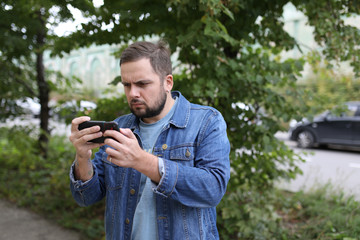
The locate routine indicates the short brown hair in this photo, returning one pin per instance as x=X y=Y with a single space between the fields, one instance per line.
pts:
x=158 y=54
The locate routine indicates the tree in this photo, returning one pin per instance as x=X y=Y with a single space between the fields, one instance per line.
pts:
x=27 y=31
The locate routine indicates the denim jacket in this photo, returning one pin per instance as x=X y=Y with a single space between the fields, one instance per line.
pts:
x=195 y=150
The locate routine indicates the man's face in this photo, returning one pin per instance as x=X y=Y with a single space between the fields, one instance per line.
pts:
x=144 y=89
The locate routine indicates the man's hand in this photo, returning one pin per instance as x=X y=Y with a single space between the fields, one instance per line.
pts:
x=83 y=168
x=80 y=138
x=126 y=152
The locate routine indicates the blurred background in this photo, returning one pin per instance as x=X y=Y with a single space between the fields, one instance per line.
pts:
x=284 y=74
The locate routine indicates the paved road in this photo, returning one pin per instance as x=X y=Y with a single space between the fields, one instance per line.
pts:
x=21 y=224
x=339 y=168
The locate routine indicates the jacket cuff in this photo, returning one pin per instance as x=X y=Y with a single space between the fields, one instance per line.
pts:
x=79 y=185
x=169 y=178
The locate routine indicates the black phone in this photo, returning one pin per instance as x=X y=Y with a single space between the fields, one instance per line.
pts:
x=103 y=127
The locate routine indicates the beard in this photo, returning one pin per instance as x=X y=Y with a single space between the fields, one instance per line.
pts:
x=149 y=112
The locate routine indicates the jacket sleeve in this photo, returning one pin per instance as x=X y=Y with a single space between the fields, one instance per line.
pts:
x=204 y=184
x=91 y=191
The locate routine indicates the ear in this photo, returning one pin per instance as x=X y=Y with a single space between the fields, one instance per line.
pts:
x=168 y=83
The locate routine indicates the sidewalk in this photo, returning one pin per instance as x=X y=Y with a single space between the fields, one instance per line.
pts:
x=20 y=224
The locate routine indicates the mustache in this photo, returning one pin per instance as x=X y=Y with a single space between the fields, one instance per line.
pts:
x=137 y=101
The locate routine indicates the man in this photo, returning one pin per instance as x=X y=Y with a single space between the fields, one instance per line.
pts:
x=166 y=170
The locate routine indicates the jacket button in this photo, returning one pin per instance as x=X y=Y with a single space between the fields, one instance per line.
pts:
x=127 y=221
x=164 y=146
x=132 y=191
x=187 y=154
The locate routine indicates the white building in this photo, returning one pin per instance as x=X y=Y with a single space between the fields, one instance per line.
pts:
x=297 y=27
x=96 y=66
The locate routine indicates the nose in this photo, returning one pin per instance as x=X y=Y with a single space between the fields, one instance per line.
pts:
x=133 y=92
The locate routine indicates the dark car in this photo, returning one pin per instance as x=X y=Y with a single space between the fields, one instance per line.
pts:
x=329 y=128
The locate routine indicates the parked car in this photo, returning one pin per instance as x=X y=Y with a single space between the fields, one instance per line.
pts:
x=329 y=128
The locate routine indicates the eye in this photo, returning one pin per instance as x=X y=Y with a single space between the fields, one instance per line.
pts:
x=142 y=83
x=125 y=84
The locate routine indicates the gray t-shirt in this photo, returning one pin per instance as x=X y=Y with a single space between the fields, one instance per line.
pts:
x=145 y=222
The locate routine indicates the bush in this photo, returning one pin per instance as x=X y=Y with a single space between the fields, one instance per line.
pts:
x=248 y=215
x=280 y=215
x=41 y=184
x=321 y=214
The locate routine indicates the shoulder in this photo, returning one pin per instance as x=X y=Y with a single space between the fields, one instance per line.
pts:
x=197 y=108
x=203 y=108
x=207 y=119
x=204 y=111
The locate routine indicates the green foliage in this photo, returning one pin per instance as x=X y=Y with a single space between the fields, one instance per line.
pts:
x=107 y=109
x=41 y=184
x=331 y=32
x=27 y=30
x=110 y=108
x=14 y=85
x=321 y=214
x=324 y=89
x=248 y=215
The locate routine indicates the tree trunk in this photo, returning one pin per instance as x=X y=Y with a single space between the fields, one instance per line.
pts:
x=44 y=103
x=44 y=90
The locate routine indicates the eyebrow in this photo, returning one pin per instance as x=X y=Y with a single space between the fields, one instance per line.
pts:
x=138 y=81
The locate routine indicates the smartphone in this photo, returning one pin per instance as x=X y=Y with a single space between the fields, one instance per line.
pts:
x=103 y=127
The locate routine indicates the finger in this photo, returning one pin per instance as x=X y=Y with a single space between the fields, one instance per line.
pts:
x=111 y=153
x=123 y=136
x=114 y=134
x=127 y=132
x=95 y=145
x=114 y=154
x=76 y=121
x=87 y=137
x=91 y=145
x=113 y=143
x=90 y=130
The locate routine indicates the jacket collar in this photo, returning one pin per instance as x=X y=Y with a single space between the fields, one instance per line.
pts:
x=181 y=115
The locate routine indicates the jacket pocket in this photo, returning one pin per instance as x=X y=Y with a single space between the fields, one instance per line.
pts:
x=185 y=155
x=114 y=175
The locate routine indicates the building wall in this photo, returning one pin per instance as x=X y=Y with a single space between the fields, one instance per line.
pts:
x=297 y=27
x=95 y=66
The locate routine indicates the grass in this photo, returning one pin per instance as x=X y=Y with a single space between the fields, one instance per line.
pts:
x=320 y=214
